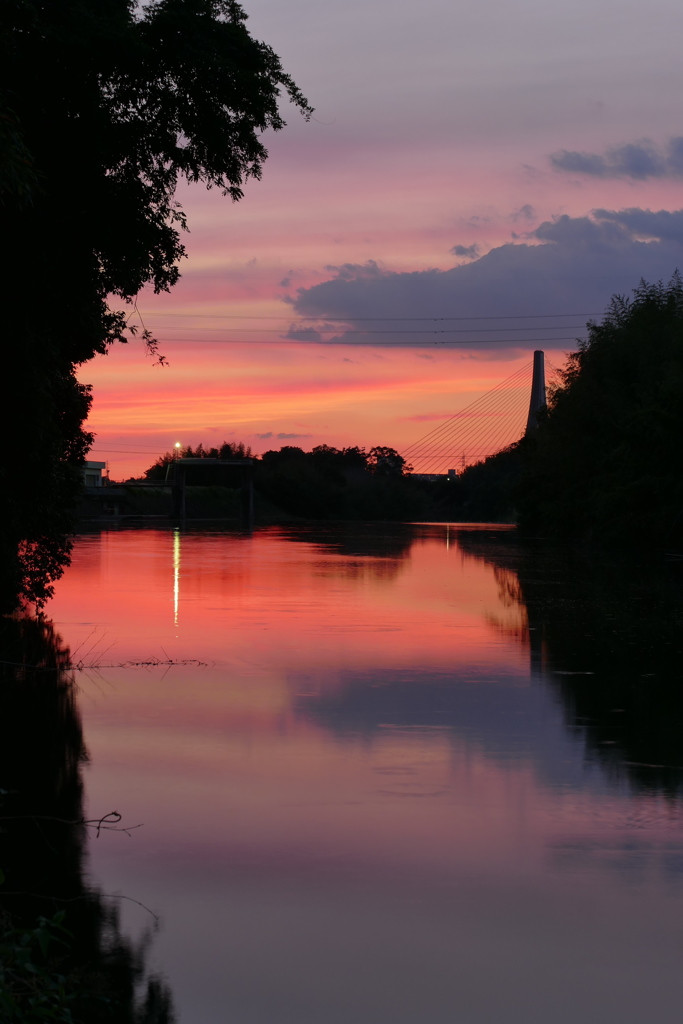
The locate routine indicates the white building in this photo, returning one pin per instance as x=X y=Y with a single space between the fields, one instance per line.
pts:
x=92 y=473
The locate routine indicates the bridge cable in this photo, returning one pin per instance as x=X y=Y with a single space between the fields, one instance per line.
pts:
x=459 y=419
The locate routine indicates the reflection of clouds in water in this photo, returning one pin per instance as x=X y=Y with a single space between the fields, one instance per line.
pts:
x=591 y=628
x=501 y=715
x=323 y=756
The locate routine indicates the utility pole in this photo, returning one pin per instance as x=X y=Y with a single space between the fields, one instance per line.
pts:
x=538 y=398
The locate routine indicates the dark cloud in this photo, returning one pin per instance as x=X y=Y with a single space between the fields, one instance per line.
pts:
x=579 y=163
x=646 y=224
x=636 y=160
x=676 y=156
x=352 y=271
x=468 y=252
x=303 y=334
x=566 y=265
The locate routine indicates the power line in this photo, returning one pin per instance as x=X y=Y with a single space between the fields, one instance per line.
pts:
x=367 y=319
x=387 y=344
x=120 y=451
x=417 y=330
x=127 y=444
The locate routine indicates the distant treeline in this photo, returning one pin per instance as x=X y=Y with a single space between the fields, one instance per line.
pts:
x=227 y=450
x=355 y=484
x=325 y=483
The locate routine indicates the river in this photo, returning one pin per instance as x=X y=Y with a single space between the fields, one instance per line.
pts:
x=385 y=774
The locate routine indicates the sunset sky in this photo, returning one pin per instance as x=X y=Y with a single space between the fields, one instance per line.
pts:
x=492 y=159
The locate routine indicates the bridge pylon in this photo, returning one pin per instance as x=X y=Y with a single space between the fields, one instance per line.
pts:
x=538 y=400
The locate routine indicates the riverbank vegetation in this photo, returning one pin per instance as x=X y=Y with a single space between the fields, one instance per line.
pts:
x=351 y=483
x=324 y=483
x=604 y=463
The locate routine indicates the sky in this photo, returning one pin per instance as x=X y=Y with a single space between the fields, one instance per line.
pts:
x=514 y=160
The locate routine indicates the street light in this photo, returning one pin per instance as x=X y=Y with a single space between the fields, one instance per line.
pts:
x=177 y=447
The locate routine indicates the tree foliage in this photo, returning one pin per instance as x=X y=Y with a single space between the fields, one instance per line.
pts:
x=105 y=106
x=383 y=461
x=227 y=450
x=605 y=461
x=338 y=483
x=487 y=490
x=326 y=482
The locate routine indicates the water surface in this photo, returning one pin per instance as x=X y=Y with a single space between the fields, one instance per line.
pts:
x=387 y=775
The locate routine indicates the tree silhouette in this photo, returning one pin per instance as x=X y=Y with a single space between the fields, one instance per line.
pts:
x=105 y=105
x=604 y=462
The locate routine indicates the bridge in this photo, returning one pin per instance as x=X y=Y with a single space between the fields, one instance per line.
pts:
x=492 y=422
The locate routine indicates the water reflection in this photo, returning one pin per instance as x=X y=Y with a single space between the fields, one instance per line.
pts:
x=89 y=972
x=391 y=540
x=176 y=574
x=379 y=799
x=605 y=631
x=363 y=551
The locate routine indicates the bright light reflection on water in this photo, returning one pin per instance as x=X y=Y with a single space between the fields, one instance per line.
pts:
x=379 y=798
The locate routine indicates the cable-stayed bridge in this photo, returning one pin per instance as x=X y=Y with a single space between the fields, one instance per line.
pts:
x=493 y=421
